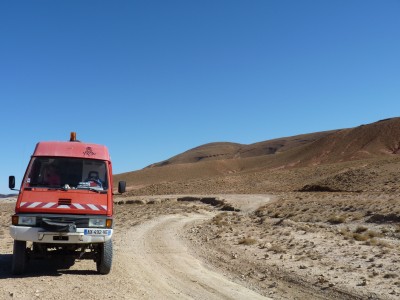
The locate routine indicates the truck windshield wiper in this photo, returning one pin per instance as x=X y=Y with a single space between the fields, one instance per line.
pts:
x=65 y=187
x=97 y=191
x=62 y=188
x=93 y=190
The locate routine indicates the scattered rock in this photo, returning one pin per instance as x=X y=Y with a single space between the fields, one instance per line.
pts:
x=273 y=285
x=302 y=267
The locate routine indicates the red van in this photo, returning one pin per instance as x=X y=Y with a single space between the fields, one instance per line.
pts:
x=65 y=205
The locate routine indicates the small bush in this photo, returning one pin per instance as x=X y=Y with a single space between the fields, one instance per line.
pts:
x=346 y=234
x=384 y=244
x=134 y=202
x=361 y=229
x=277 y=249
x=336 y=220
x=373 y=234
x=360 y=237
x=390 y=275
x=220 y=219
x=247 y=241
x=372 y=242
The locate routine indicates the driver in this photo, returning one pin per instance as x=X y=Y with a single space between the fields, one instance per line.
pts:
x=93 y=176
x=51 y=176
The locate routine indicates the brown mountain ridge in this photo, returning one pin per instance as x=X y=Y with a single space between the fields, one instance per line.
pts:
x=284 y=164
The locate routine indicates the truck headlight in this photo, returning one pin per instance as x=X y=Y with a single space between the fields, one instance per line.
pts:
x=97 y=222
x=27 y=221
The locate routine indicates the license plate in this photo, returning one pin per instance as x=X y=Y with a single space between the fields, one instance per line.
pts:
x=97 y=232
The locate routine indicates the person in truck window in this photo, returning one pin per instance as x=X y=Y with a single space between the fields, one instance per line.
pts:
x=51 y=176
x=94 y=177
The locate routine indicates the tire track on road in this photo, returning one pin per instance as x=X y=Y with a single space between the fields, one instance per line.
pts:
x=156 y=258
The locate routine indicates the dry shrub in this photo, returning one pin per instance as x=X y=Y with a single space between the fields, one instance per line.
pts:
x=134 y=202
x=360 y=229
x=336 y=219
x=286 y=233
x=373 y=234
x=360 y=237
x=247 y=241
x=263 y=220
x=219 y=219
x=390 y=275
x=277 y=249
x=385 y=244
x=372 y=242
x=385 y=230
x=346 y=233
x=357 y=216
x=277 y=215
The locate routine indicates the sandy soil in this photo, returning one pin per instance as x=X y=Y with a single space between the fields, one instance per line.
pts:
x=151 y=261
x=309 y=245
x=268 y=248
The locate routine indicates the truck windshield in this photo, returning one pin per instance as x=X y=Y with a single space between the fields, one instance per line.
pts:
x=68 y=173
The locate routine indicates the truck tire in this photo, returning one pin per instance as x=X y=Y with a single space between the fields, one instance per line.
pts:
x=19 y=257
x=104 y=259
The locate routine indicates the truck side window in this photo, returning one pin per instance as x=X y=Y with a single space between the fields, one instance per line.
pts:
x=33 y=178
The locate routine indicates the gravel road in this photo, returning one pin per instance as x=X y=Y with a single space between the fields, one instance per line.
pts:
x=151 y=261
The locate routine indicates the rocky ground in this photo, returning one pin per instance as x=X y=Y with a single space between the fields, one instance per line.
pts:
x=292 y=245
x=327 y=245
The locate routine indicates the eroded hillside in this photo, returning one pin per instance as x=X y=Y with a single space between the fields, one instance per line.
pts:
x=366 y=156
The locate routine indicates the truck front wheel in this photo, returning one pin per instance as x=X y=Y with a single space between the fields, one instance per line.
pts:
x=104 y=258
x=19 y=257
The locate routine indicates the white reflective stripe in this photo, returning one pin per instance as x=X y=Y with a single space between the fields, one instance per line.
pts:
x=93 y=207
x=63 y=206
x=78 y=206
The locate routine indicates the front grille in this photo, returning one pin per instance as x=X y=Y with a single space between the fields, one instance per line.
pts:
x=79 y=222
x=64 y=201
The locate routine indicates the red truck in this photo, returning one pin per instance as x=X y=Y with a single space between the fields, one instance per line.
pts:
x=65 y=205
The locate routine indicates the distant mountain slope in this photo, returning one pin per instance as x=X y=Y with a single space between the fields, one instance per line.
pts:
x=211 y=151
x=216 y=162
x=224 y=150
x=8 y=196
x=380 y=138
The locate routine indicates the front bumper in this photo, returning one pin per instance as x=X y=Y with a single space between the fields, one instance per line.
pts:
x=40 y=235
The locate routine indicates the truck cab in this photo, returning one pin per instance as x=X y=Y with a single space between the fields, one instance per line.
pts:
x=65 y=205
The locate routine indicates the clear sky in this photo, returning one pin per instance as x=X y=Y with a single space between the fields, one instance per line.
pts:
x=153 y=78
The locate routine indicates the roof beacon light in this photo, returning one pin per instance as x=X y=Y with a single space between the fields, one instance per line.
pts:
x=72 y=137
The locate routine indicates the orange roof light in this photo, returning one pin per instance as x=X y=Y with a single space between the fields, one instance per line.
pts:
x=72 y=137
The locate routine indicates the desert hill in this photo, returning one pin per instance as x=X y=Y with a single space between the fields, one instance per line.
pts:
x=7 y=196
x=329 y=160
x=219 y=151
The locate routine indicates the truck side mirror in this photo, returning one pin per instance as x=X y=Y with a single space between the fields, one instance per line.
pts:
x=121 y=187
x=11 y=182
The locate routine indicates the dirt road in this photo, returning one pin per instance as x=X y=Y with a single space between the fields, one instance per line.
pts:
x=151 y=261
x=174 y=247
x=159 y=262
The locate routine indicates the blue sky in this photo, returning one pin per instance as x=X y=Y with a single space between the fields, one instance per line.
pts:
x=153 y=78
